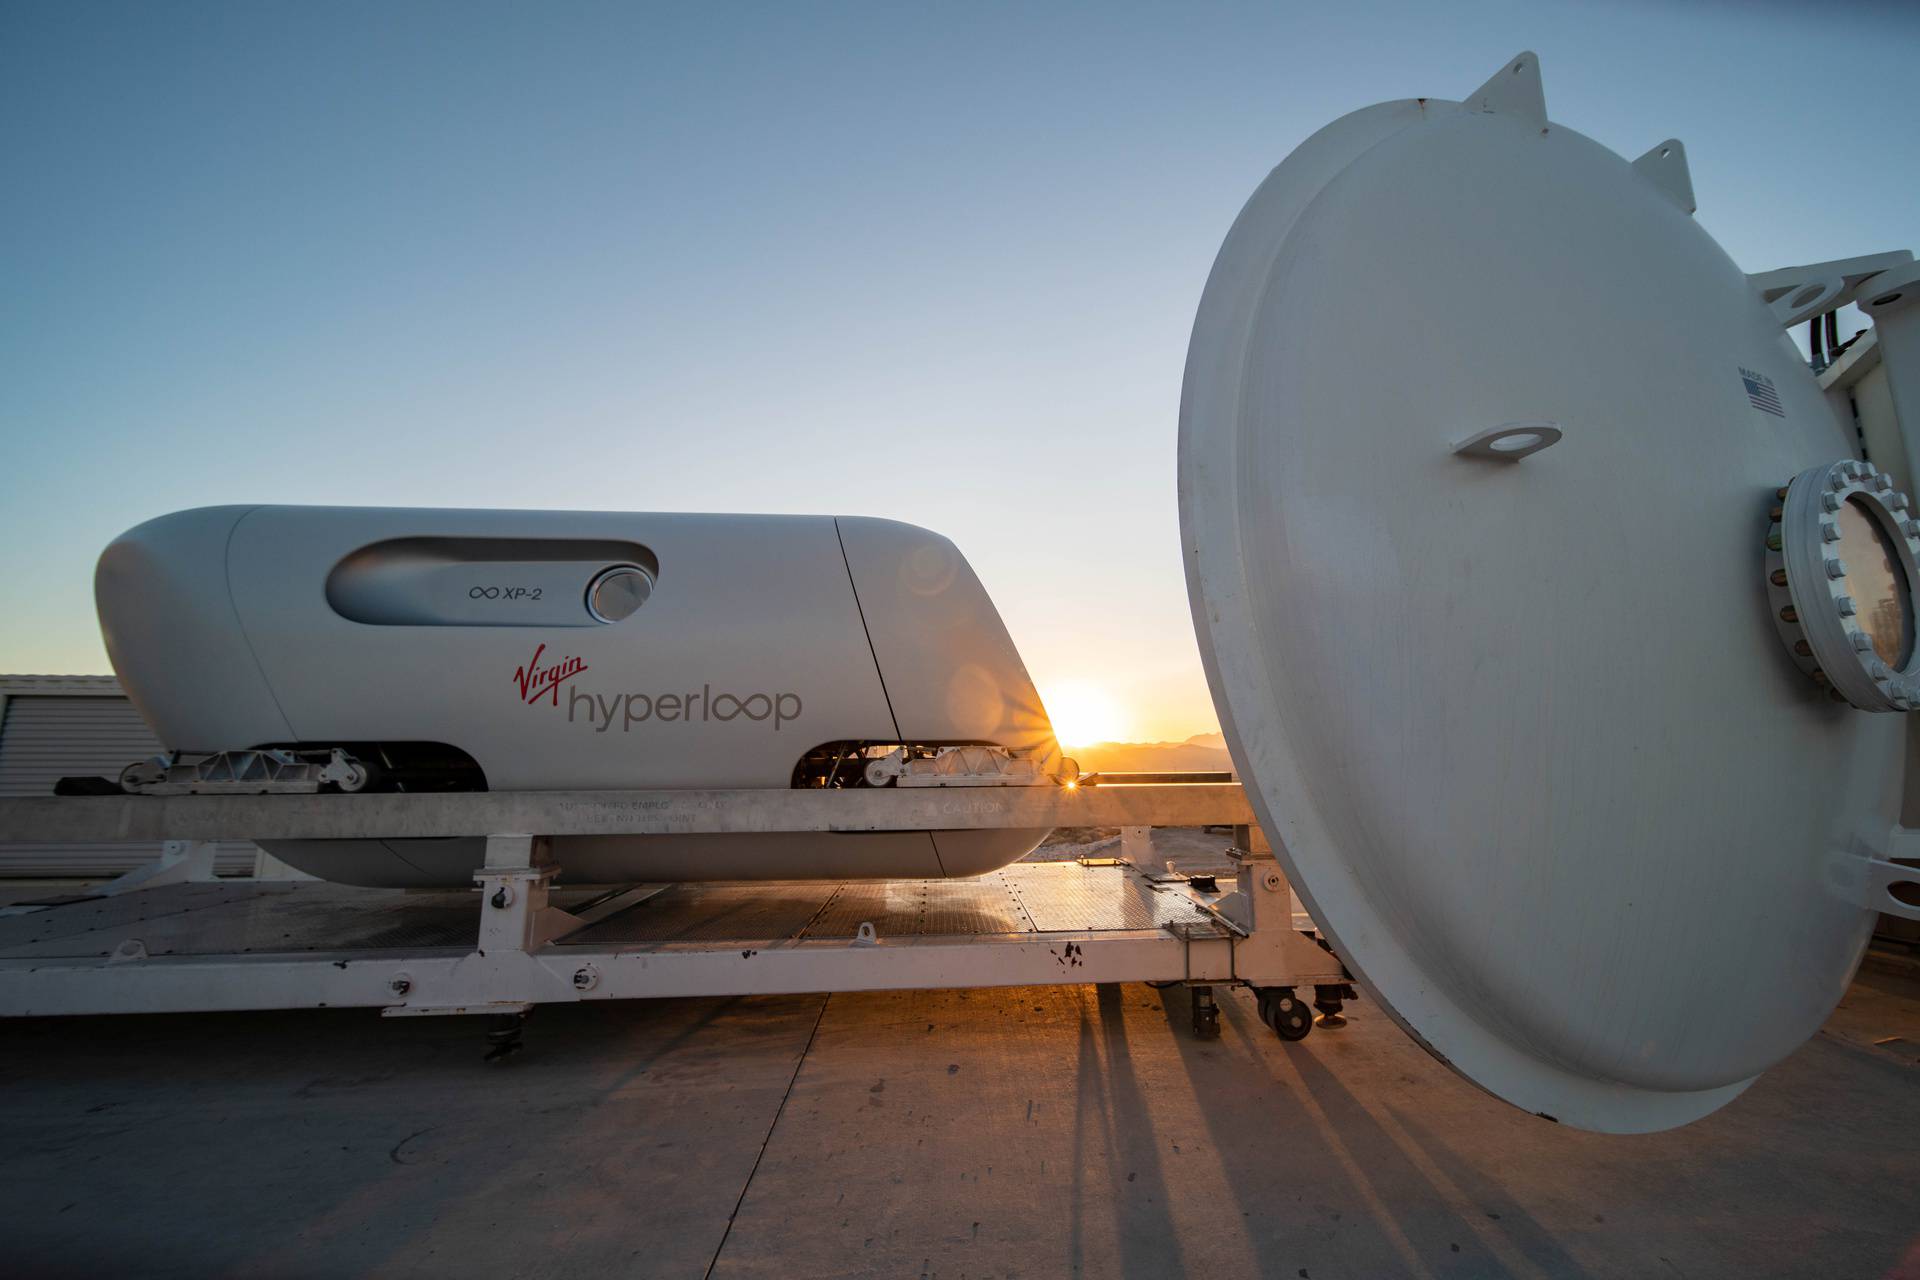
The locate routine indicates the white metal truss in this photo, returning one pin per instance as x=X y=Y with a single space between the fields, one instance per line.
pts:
x=527 y=950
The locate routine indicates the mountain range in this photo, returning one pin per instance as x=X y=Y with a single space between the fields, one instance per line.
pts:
x=1203 y=752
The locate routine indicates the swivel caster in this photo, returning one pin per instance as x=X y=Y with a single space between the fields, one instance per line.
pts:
x=1284 y=1012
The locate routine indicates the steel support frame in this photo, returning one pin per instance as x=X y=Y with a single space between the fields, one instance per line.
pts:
x=522 y=958
x=376 y=816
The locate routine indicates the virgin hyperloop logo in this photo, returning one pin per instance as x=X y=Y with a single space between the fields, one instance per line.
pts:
x=537 y=682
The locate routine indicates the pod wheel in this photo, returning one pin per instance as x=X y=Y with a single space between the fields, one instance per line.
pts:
x=141 y=774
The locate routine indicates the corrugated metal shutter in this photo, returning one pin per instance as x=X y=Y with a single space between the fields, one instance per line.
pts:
x=46 y=737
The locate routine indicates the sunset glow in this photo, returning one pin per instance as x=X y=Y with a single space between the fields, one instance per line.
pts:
x=1084 y=713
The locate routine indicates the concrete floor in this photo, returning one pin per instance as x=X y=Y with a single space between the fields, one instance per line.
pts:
x=1042 y=1132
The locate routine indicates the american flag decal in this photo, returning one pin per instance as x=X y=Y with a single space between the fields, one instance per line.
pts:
x=1761 y=394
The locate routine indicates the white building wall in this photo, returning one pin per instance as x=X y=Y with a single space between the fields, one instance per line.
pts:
x=52 y=727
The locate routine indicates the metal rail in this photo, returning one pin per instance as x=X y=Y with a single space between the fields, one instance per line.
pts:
x=568 y=813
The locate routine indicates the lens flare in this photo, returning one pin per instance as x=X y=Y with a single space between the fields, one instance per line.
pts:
x=1084 y=714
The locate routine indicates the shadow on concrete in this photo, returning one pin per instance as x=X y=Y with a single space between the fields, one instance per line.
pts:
x=1109 y=1086
x=1372 y=1209
x=335 y=1142
x=1534 y=1242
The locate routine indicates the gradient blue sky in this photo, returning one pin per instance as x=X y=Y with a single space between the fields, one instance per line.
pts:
x=934 y=263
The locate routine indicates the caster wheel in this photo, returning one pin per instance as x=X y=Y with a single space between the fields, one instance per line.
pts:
x=1285 y=1013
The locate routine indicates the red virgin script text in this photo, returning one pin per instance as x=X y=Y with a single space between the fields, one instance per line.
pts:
x=537 y=682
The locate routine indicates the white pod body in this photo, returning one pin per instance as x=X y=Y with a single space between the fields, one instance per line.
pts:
x=759 y=638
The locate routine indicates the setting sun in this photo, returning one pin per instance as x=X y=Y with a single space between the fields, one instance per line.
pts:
x=1084 y=713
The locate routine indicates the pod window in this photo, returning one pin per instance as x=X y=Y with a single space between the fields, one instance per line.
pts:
x=493 y=582
x=618 y=593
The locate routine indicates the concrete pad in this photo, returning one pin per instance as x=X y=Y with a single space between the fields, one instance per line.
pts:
x=338 y=1143
x=1077 y=1131
x=1039 y=1132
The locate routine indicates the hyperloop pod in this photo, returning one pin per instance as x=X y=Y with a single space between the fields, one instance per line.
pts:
x=420 y=649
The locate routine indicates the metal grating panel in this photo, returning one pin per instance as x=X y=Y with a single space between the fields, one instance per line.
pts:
x=714 y=913
x=1022 y=899
x=277 y=918
x=1063 y=897
x=243 y=919
x=901 y=908
x=81 y=915
x=46 y=737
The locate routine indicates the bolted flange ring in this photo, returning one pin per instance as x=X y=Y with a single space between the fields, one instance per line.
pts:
x=1842 y=539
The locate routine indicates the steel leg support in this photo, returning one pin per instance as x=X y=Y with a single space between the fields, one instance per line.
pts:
x=514 y=915
x=180 y=862
x=1273 y=955
x=1138 y=848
